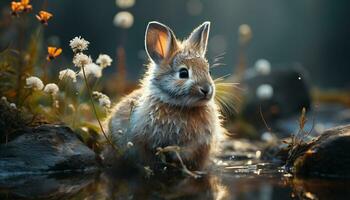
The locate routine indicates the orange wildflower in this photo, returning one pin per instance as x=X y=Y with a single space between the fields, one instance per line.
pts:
x=16 y=7
x=53 y=52
x=43 y=17
x=26 y=5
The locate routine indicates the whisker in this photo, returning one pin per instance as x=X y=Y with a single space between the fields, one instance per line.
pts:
x=220 y=55
x=221 y=78
x=217 y=65
x=226 y=106
x=227 y=84
x=234 y=86
x=218 y=59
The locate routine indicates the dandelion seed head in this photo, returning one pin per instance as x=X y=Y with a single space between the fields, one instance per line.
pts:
x=51 y=88
x=34 y=82
x=79 y=44
x=105 y=102
x=81 y=60
x=104 y=60
x=125 y=3
x=130 y=144
x=13 y=106
x=245 y=33
x=264 y=91
x=123 y=19
x=91 y=69
x=267 y=137
x=67 y=73
x=262 y=66
x=103 y=99
x=4 y=99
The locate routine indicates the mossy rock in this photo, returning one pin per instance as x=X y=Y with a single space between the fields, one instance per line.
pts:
x=327 y=156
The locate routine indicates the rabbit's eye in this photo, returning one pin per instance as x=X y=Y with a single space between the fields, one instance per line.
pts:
x=183 y=73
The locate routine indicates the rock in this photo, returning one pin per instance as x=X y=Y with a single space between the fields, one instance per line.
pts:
x=326 y=156
x=313 y=189
x=280 y=94
x=46 y=148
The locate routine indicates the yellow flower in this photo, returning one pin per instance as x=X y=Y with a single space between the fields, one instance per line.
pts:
x=53 y=52
x=16 y=7
x=44 y=17
x=26 y=5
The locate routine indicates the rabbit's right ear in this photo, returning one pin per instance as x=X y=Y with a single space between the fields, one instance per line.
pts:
x=160 y=42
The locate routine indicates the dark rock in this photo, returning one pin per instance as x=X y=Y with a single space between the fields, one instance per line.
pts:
x=327 y=156
x=45 y=148
x=313 y=189
x=288 y=94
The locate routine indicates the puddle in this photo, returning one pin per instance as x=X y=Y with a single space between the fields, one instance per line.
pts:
x=243 y=179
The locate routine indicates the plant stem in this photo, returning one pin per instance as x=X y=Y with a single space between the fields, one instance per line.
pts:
x=95 y=111
x=45 y=72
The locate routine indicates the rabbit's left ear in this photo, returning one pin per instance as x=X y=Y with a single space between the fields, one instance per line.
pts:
x=198 y=39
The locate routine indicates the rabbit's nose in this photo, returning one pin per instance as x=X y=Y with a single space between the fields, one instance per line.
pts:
x=205 y=89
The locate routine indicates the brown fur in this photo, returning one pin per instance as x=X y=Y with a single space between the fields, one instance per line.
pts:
x=167 y=110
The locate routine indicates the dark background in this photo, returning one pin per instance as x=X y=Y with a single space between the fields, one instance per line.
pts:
x=314 y=33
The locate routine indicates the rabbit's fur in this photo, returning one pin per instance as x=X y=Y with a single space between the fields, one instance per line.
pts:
x=169 y=110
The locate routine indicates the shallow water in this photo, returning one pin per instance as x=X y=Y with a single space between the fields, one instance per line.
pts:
x=237 y=179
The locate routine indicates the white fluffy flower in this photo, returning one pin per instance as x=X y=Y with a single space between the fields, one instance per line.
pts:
x=262 y=66
x=79 y=44
x=103 y=99
x=3 y=98
x=104 y=60
x=245 y=33
x=91 y=69
x=125 y=3
x=51 y=88
x=34 y=82
x=13 y=106
x=264 y=91
x=81 y=60
x=67 y=73
x=123 y=19
x=130 y=144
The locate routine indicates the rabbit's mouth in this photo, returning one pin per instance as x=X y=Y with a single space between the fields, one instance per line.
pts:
x=204 y=99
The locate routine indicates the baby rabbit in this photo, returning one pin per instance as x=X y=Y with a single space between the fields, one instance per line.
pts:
x=174 y=106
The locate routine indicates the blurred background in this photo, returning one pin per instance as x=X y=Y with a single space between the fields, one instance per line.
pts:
x=311 y=33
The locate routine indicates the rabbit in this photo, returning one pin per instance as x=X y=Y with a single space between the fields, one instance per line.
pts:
x=175 y=103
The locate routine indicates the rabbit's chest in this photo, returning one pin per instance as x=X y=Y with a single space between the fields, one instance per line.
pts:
x=161 y=126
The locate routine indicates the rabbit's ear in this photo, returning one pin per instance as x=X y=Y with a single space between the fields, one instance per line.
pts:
x=198 y=39
x=160 y=42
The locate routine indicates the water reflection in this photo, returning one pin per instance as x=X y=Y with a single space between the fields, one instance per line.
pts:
x=256 y=181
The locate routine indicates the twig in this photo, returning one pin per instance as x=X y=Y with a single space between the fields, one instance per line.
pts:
x=176 y=150
x=263 y=119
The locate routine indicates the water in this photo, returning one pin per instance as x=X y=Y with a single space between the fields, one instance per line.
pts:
x=230 y=179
